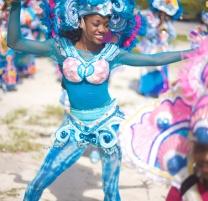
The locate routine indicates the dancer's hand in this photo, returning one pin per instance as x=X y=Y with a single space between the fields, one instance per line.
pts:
x=199 y=51
x=14 y=1
x=7 y=4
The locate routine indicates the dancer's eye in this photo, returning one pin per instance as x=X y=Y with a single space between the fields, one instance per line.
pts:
x=95 y=24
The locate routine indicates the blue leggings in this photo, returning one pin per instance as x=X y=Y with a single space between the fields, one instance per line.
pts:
x=59 y=159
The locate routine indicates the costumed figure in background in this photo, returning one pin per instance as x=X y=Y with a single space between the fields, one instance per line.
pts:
x=24 y=62
x=88 y=40
x=192 y=183
x=204 y=17
x=36 y=25
x=7 y=81
x=156 y=139
x=200 y=32
x=8 y=74
x=160 y=33
x=2 y=55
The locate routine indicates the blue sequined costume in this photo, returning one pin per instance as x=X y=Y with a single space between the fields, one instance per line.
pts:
x=95 y=117
x=87 y=124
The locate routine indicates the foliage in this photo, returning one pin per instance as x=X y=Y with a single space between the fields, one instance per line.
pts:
x=56 y=111
x=21 y=128
x=192 y=8
x=13 y=192
x=181 y=37
x=20 y=142
x=142 y=3
x=12 y=116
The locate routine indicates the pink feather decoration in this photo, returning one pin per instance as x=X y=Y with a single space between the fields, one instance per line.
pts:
x=192 y=76
x=52 y=15
x=129 y=40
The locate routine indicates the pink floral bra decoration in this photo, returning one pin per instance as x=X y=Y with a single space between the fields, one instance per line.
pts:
x=96 y=70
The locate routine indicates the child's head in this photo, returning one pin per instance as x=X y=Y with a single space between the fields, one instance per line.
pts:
x=199 y=137
x=200 y=159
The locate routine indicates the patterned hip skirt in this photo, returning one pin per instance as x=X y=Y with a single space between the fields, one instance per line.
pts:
x=98 y=127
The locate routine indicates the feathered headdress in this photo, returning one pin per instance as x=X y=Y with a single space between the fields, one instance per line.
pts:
x=170 y=7
x=65 y=15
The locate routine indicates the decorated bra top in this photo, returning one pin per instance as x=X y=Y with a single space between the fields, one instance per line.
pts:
x=96 y=70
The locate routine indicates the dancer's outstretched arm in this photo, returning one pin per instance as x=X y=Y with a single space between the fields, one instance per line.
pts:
x=139 y=59
x=16 y=41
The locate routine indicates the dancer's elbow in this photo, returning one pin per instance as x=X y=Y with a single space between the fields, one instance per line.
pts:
x=12 y=44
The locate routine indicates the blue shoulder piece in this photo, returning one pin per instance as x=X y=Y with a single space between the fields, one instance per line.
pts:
x=110 y=52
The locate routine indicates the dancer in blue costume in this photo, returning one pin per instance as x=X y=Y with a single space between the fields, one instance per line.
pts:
x=154 y=81
x=86 y=62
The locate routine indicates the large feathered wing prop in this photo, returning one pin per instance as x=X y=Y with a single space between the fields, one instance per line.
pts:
x=155 y=138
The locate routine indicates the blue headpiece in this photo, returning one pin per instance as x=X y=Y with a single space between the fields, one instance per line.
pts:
x=170 y=7
x=65 y=15
x=95 y=7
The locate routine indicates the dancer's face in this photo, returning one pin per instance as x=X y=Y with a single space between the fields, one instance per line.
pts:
x=94 y=28
x=200 y=157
